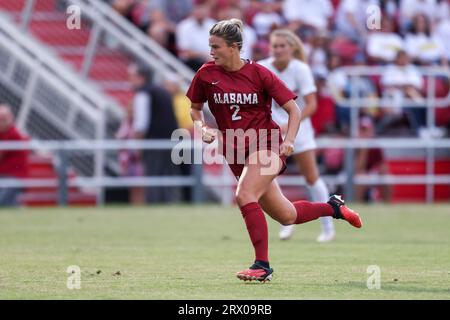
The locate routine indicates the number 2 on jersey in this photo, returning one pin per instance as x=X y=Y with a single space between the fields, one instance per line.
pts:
x=235 y=116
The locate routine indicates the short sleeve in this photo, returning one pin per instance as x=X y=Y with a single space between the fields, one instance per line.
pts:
x=196 y=92
x=275 y=87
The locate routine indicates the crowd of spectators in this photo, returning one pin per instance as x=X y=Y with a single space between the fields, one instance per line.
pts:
x=401 y=35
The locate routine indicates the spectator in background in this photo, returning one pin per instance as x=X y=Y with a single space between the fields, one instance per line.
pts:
x=134 y=11
x=422 y=46
x=130 y=159
x=260 y=50
x=13 y=163
x=351 y=17
x=154 y=118
x=383 y=45
x=443 y=34
x=181 y=103
x=337 y=84
x=443 y=11
x=410 y=8
x=220 y=6
x=315 y=14
x=174 y=10
x=370 y=161
x=249 y=34
x=267 y=20
x=389 y=9
x=250 y=10
x=402 y=80
x=317 y=52
x=162 y=30
x=324 y=119
x=182 y=108
x=192 y=36
x=343 y=88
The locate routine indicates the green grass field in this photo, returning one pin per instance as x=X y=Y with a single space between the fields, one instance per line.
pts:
x=187 y=252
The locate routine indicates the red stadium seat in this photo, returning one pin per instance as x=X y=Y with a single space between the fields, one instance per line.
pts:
x=42 y=167
x=345 y=48
x=417 y=193
x=18 y=5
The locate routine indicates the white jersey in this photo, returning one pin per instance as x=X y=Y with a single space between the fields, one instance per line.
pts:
x=297 y=76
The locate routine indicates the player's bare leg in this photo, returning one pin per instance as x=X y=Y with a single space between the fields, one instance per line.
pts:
x=253 y=183
x=276 y=205
x=257 y=191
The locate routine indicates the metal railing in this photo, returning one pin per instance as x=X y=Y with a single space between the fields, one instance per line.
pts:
x=198 y=178
x=62 y=149
x=106 y=24
x=48 y=99
x=355 y=102
x=430 y=102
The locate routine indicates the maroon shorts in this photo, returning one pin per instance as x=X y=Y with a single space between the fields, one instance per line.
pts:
x=238 y=168
x=264 y=140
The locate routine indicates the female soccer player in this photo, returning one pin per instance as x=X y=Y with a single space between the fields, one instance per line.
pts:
x=239 y=94
x=288 y=62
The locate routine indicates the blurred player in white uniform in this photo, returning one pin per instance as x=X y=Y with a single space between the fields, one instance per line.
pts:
x=288 y=62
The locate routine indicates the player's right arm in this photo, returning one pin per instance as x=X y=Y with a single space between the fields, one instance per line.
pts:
x=208 y=134
x=197 y=93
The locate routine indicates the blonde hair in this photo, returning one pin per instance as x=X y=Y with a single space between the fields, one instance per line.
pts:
x=293 y=40
x=229 y=30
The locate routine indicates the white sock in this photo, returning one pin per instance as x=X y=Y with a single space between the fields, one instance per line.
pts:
x=319 y=193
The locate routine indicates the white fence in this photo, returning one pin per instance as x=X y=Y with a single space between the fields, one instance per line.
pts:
x=198 y=180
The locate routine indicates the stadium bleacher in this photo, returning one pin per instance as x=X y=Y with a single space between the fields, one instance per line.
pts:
x=108 y=71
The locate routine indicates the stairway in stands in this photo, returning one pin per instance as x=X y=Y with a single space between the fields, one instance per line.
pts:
x=48 y=25
x=109 y=72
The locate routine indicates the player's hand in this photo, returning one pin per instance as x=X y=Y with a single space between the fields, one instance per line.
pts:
x=286 y=148
x=208 y=134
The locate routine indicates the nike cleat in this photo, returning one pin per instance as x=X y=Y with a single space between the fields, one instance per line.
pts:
x=343 y=212
x=256 y=272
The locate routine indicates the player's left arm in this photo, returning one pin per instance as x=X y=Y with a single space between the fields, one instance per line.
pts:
x=310 y=105
x=305 y=80
x=295 y=115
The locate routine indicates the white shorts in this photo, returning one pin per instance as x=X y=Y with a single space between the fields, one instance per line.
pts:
x=304 y=140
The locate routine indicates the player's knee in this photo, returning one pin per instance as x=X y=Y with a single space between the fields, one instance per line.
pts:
x=244 y=196
x=286 y=220
x=311 y=178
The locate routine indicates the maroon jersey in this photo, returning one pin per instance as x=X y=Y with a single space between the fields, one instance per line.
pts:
x=241 y=100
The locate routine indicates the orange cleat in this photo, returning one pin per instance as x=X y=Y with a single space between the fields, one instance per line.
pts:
x=343 y=212
x=256 y=272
